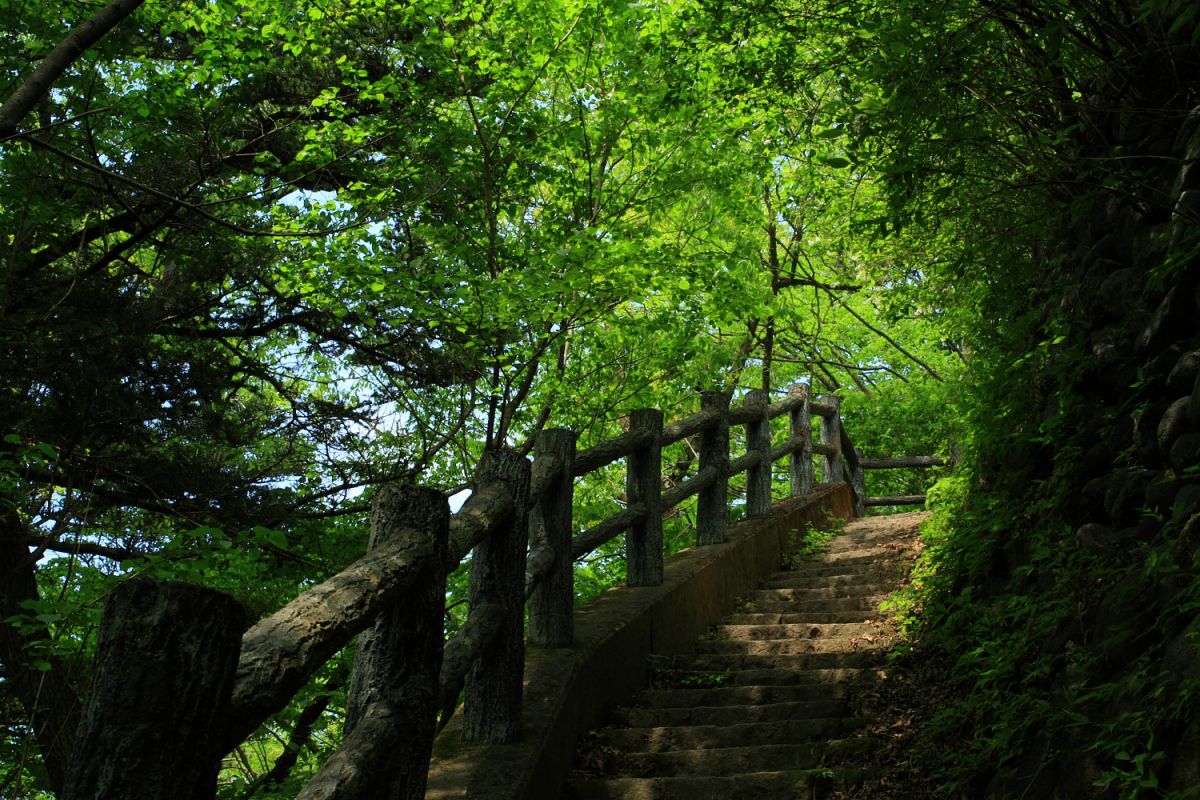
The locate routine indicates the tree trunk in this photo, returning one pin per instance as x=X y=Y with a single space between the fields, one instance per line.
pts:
x=51 y=703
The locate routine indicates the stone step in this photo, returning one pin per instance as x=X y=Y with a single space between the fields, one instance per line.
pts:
x=762 y=617
x=831 y=587
x=809 y=590
x=840 y=551
x=793 y=647
x=870 y=533
x=691 y=679
x=731 y=760
x=810 y=593
x=733 y=662
x=816 y=569
x=769 y=601
x=750 y=786
x=638 y=717
x=698 y=737
x=755 y=632
x=740 y=695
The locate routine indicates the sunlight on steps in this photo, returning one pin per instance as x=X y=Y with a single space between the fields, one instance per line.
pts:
x=764 y=705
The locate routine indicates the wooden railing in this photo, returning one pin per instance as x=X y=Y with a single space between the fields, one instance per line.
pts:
x=907 y=462
x=518 y=527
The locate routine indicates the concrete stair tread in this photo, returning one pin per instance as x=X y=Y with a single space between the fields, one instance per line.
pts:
x=804 y=618
x=868 y=607
x=815 y=630
x=723 y=761
x=659 y=717
x=831 y=569
x=794 y=647
x=759 y=676
x=804 y=582
x=693 y=737
x=739 y=695
x=752 y=786
x=802 y=593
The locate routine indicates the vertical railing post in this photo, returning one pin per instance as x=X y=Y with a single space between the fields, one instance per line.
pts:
x=552 y=604
x=831 y=434
x=492 y=706
x=858 y=478
x=712 y=506
x=801 y=463
x=392 y=701
x=162 y=677
x=643 y=484
x=758 y=439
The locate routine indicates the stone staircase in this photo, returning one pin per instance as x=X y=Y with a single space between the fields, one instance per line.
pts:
x=764 y=707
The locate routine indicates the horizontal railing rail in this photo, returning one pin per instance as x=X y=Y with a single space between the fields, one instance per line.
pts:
x=904 y=462
x=518 y=529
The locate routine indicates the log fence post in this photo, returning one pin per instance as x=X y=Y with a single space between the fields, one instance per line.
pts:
x=391 y=705
x=712 y=506
x=643 y=484
x=801 y=463
x=492 y=706
x=831 y=434
x=858 y=478
x=552 y=604
x=758 y=440
x=162 y=679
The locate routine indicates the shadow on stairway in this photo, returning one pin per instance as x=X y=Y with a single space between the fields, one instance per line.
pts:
x=768 y=704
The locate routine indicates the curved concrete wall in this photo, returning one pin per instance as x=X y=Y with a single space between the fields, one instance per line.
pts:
x=567 y=690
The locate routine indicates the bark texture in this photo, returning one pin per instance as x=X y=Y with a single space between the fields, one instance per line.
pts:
x=712 y=508
x=643 y=485
x=492 y=710
x=164 y=669
x=73 y=45
x=282 y=651
x=391 y=706
x=50 y=701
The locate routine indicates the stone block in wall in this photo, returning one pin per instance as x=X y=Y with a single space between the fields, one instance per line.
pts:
x=1194 y=403
x=1121 y=289
x=1126 y=494
x=1173 y=424
x=1185 y=452
x=1183 y=375
x=1172 y=320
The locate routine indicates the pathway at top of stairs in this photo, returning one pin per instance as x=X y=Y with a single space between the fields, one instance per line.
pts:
x=764 y=707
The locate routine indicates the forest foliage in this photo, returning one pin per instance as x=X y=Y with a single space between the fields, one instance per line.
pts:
x=261 y=259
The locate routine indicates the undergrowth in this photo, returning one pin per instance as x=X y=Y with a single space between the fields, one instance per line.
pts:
x=1066 y=668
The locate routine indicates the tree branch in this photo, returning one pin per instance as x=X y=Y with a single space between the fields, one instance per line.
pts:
x=65 y=53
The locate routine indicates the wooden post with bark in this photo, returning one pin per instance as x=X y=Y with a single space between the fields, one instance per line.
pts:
x=392 y=701
x=758 y=440
x=492 y=707
x=643 y=485
x=831 y=435
x=552 y=604
x=801 y=464
x=858 y=481
x=162 y=678
x=712 y=506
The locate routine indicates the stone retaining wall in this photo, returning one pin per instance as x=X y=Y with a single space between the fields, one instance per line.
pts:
x=567 y=690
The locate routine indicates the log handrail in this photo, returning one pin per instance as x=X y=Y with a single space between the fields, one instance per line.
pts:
x=517 y=523
x=902 y=462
